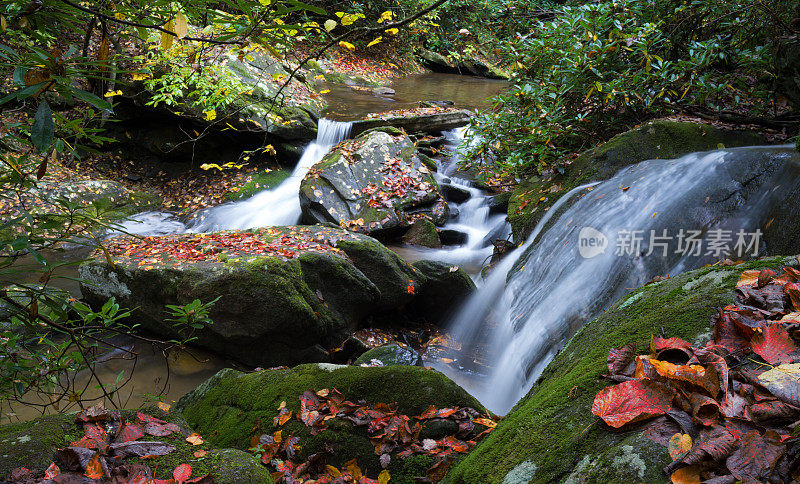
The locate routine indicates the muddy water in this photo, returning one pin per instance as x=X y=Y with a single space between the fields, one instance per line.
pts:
x=348 y=103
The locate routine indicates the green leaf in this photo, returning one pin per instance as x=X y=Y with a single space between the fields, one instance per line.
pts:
x=91 y=99
x=43 y=131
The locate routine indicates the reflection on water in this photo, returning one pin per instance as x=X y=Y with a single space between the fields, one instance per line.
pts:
x=149 y=375
x=350 y=103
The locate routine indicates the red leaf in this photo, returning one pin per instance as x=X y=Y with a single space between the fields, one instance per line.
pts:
x=754 y=459
x=793 y=291
x=775 y=345
x=129 y=432
x=632 y=401
x=52 y=471
x=94 y=469
x=182 y=473
x=728 y=335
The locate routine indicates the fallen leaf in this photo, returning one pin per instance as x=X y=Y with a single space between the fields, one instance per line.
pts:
x=94 y=469
x=632 y=401
x=195 y=439
x=679 y=445
x=200 y=453
x=182 y=473
x=775 y=345
x=784 y=382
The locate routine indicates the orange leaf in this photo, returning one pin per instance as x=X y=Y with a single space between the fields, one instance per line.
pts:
x=200 y=453
x=748 y=278
x=486 y=422
x=686 y=475
x=632 y=401
x=195 y=439
x=353 y=469
x=52 y=471
x=94 y=468
x=182 y=473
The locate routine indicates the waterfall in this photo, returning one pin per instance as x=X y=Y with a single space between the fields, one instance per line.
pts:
x=279 y=205
x=547 y=289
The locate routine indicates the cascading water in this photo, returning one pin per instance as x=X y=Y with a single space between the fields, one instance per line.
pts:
x=473 y=218
x=547 y=289
x=280 y=205
x=275 y=206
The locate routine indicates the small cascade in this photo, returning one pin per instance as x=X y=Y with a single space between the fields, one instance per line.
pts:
x=574 y=265
x=473 y=217
x=279 y=205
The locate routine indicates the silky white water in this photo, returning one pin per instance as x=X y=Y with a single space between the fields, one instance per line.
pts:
x=546 y=290
x=276 y=206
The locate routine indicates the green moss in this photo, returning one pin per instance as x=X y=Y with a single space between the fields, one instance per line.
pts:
x=259 y=182
x=553 y=426
x=659 y=139
x=392 y=354
x=226 y=408
x=32 y=444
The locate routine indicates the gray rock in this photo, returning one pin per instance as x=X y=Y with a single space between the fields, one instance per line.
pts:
x=423 y=233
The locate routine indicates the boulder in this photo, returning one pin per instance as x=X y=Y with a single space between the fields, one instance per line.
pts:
x=229 y=406
x=456 y=194
x=551 y=434
x=376 y=183
x=445 y=287
x=423 y=233
x=661 y=139
x=429 y=120
x=383 y=91
x=33 y=444
x=286 y=293
x=462 y=65
x=788 y=70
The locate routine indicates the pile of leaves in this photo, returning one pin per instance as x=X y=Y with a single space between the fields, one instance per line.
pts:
x=390 y=432
x=399 y=179
x=187 y=248
x=407 y=113
x=106 y=450
x=735 y=415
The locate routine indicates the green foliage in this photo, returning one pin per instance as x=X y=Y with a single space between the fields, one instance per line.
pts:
x=596 y=67
x=190 y=317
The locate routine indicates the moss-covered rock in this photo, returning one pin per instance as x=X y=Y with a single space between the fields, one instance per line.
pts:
x=423 y=233
x=227 y=407
x=33 y=444
x=301 y=290
x=262 y=180
x=375 y=183
x=660 y=139
x=391 y=354
x=468 y=65
x=551 y=434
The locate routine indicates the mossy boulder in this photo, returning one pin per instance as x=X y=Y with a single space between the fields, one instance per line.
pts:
x=468 y=65
x=375 y=183
x=661 y=139
x=423 y=233
x=391 y=354
x=228 y=406
x=33 y=444
x=286 y=293
x=429 y=120
x=551 y=434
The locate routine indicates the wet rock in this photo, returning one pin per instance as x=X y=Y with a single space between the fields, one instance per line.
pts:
x=659 y=139
x=423 y=233
x=383 y=91
x=275 y=307
x=431 y=121
x=452 y=237
x=469 y=65
x=391 y=354
x=376 y=184
x=563 y=441
x=455 y=194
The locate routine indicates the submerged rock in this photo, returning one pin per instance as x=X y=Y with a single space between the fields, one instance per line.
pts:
x=562 y=440
x=229 y=406
x=286 y=293
x=375 y=183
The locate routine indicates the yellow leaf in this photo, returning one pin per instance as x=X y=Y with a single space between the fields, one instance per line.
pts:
x=210 y=115
x=392 y=31
x=140 y=76
x=376 y=41
x=3 y=24
x=166 y=39
x=384 y=477
x=386 y=16
x=340 y=14
x=330 y=25
x=113 y=93
x=347 y=45
x=353 y=469
x=208 y=166
x=325 y=91
x=164 y=406
x=679 y=445
x=334 y=472
x=119 y=16
x=181 y=25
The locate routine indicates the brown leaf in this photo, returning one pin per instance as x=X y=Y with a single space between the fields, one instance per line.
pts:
x=632 y=401
x=141 y=449
x=620 y=361
x=94 y=413
x=754 y=459
x=793 y=291
x=686 y=475
x=94 y=469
